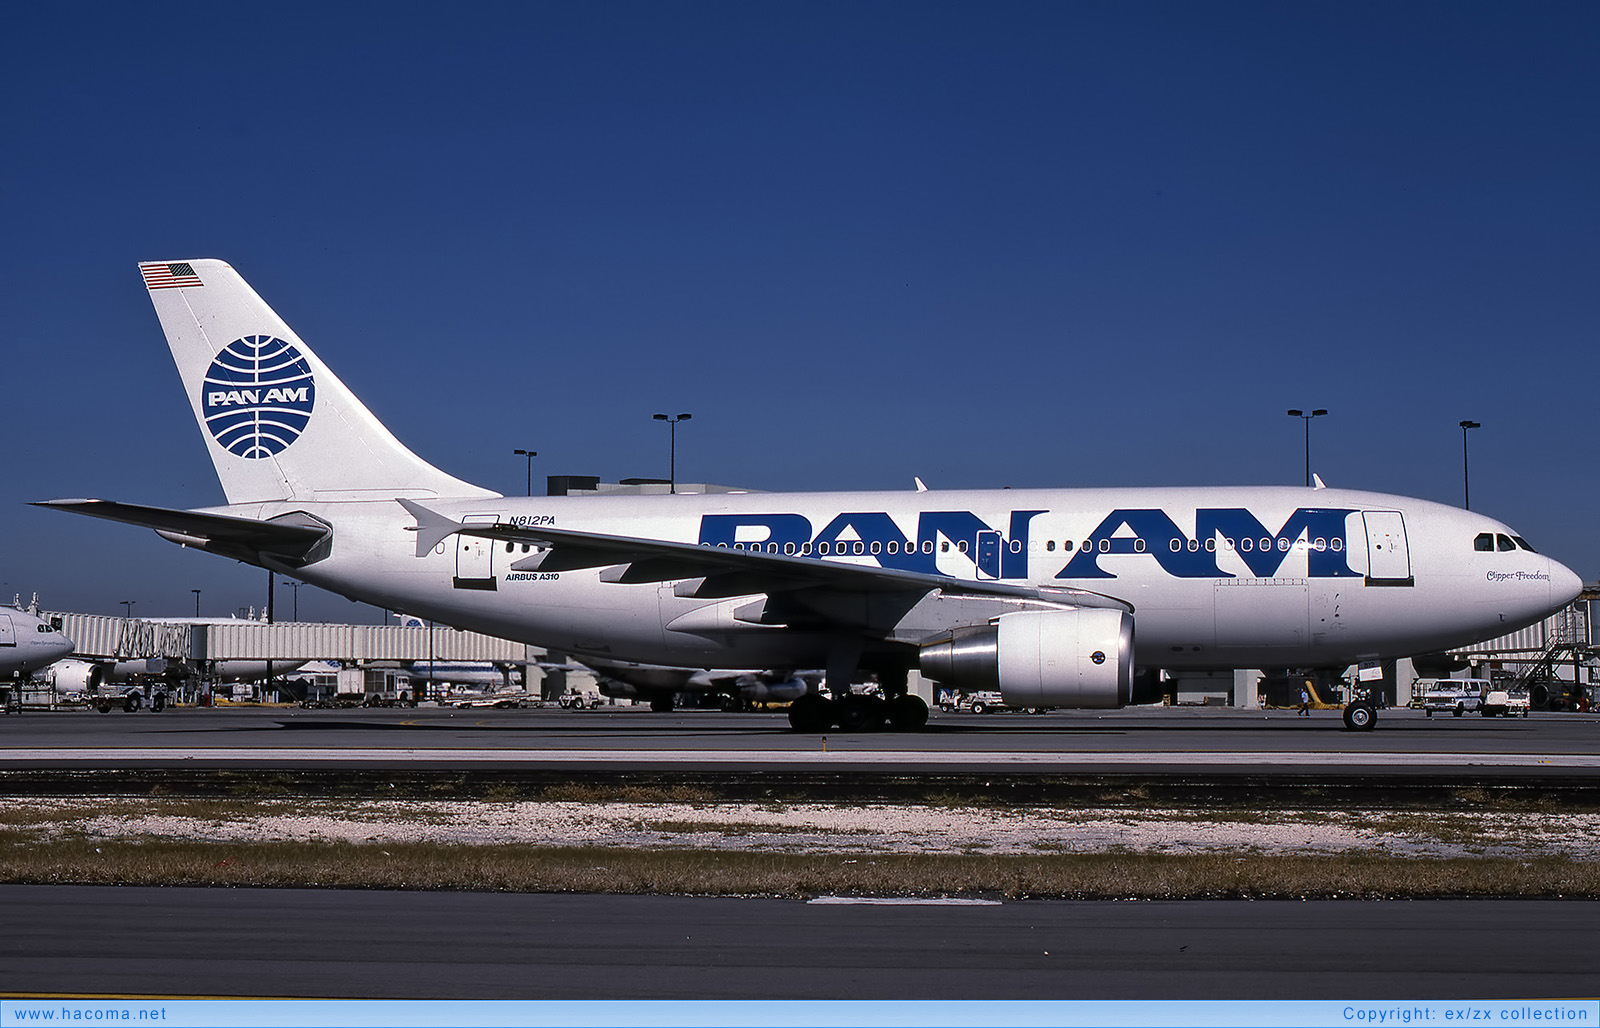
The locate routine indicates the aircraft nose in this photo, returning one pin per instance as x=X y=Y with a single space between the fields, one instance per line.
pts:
x=1565 y=585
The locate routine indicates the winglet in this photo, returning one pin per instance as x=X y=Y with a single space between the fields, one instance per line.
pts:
x=432 y=527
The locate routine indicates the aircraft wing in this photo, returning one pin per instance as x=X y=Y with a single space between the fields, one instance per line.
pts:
x=724 y=572
x=292 y=537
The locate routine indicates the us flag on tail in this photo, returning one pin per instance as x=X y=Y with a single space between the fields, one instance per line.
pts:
x=169 y=276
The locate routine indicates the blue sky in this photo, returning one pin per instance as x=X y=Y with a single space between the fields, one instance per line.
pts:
x=987 y=244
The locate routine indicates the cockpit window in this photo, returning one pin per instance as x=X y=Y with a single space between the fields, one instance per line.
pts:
x=1484 y=543
x=1505 y=543
x=1523 y=543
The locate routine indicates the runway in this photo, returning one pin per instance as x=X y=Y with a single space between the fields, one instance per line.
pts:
x=1139 y=741
x=320 y=943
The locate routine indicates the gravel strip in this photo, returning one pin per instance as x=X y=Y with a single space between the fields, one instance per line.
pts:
x=818 y=828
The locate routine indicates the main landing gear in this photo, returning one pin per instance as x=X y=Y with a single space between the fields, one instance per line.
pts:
x=897 y=708
x=858 y=712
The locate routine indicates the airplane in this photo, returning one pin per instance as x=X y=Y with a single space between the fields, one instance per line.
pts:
x=29 y=642
x=659 y=684
x=481 y=675
x=1053 y=597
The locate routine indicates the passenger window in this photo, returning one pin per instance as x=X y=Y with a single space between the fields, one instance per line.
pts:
x=962 y=546
x=1523 y=543
x=1247 y=544
x=1138 y=546
x=1211 y=545
x=788 y=549
x=509 y=547
x=1105 y=546
x=1484 y=543
x=1050 y=546
x=1335 y=544
x=824 y=548
x=1505 y=543
x=1016 y=546
x=944 y=547
x=1067 y=545
x=805 y=549
x=894 y=547
x=876 y=546
x=1194 y=546
x=1175 y=546
x=772 y=547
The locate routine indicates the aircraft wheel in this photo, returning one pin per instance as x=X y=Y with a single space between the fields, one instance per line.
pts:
x=158 y=703
x=1360 y=717
x=730 y=704
x=812 y=712
x=661 y=704
x=907 y=713
x=861 y=713
x=132 y=702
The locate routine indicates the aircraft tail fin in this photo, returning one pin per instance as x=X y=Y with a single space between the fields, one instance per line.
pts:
x=278 y=423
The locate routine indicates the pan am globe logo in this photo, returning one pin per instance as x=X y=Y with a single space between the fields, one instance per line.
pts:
x=257 y=396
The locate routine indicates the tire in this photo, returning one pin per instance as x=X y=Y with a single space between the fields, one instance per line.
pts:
x=857 y=713
x=661 y=704
x=907 y=713
x=103 y=707
x=1360 y=717
x=1458 y=712
x=1427 y=713
x=158 y=703
x=979 y=707
x=812 y=712
x=132 y=702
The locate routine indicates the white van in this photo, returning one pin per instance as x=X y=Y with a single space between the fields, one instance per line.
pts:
x=1455 y=696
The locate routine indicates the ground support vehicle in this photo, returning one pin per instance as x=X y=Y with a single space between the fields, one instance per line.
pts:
x=1453 y=696
x=1504 y=703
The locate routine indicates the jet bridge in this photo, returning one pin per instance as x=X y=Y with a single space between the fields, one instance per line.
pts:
x=113 y=638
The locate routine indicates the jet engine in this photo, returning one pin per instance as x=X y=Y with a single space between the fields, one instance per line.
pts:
x=1046 y=658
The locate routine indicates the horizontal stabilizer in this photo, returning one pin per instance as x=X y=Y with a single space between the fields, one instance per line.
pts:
x=294 y=538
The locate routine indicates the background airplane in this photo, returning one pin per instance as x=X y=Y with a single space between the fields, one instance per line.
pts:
x=28 y=642
x=659 y=684
x=1035 y=593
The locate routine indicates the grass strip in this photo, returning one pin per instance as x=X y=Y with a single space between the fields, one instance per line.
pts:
x=520 y=868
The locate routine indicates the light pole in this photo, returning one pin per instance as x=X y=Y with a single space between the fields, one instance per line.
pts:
x=295 y=614
x=1466 y=482
x=196 y=601
x=1302 y=415
x=530 y=454
x=127 y=607
x=672 y=451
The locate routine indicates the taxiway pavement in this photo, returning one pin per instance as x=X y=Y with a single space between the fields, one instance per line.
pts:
x=130 y=941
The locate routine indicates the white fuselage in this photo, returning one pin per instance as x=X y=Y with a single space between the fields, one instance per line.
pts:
x=28 y=643
x=1217 y=576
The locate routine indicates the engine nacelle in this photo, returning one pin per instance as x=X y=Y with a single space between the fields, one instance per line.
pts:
x=757 y=689
x=1045 y=658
